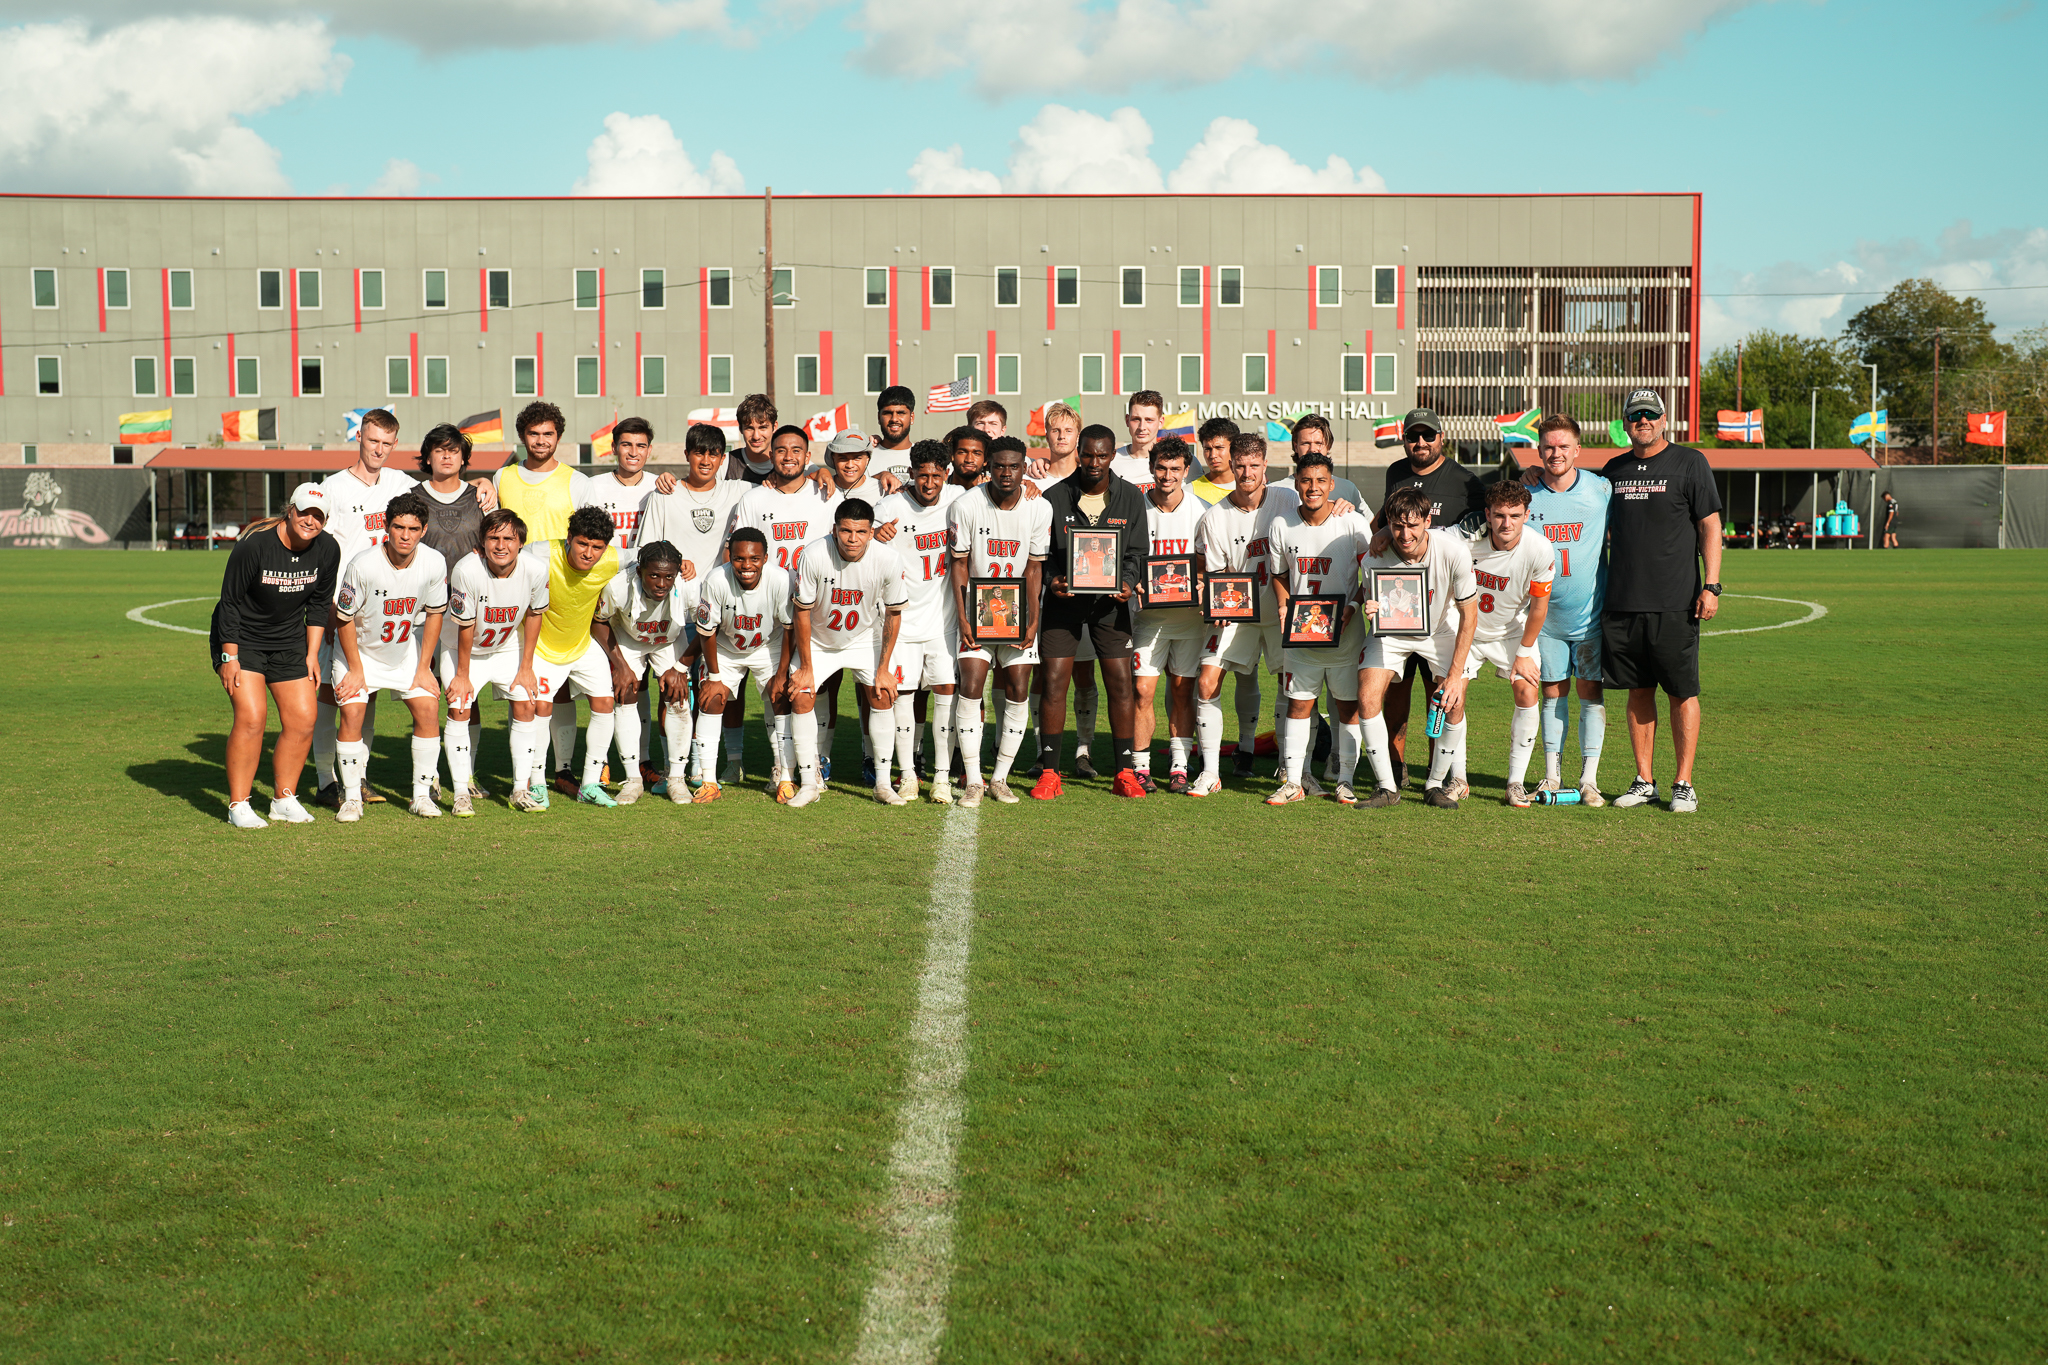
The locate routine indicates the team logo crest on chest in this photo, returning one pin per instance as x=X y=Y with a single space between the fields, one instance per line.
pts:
x=701 y=519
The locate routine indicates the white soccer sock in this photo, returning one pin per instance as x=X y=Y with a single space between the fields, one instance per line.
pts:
x=706 y=742
x=804 y=734
x=1347 y=752
x=1247 y=710
x=562 y=727
x=1141 y=759
x=1294 y=739
x=967 y=733
x=461 y=757
x=523 y=735
x=351 y=761
x=426 y=762
x=1449 y=745
x=783 y=747
x=1522 y=742
x=676 y=730
x=597 y=744
x=1209 y=730
x=627 y=731
x=1373 y=733
x=1177 y=752
x=904 y=714
x=1016 y=715
x=879 y=741
x=323 y=742
x=1592 y=734
x=942 y=738
x=1085 y=706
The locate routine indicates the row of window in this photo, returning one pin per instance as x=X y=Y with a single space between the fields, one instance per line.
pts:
x=1007 y=282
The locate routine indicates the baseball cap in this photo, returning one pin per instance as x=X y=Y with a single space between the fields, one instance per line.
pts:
x=849 y=443
x=1424 y=418
x=310 y=497
x=1643 y=400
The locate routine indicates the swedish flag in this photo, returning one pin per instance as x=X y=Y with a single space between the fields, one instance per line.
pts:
x=1869 y=425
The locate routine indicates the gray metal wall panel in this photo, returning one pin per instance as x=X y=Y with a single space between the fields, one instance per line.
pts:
x=2026 y=508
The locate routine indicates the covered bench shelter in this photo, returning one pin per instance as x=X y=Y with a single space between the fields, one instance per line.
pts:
x=1760 y=487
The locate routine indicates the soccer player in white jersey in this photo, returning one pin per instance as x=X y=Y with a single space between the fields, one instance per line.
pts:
x=846 y=462
x=623 y=492
x=645 y=615
x=390 y=602
x=1514 y=568
x=742 y=615
x=495 y=598
x=1314 y=551
x=1144 y=414
x=1233 y=536
x=1568 y=508
x=842 y=584
x=1169 y=639
x=786 y=507
x=925 y=661
x=994 y=531
x=1453 y=614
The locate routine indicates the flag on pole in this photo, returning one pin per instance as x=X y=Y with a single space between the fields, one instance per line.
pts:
x=484 y=426
x=252 y=424
x=352 y=420
x=1617 y=434
x=1747 y=427
x=726 y=420
x=825 y=425
x=1278 y=431
x=145 y=428
x=1519 y=428
x=953 y=397
x=1387 y=434
x=601 y=440
x=1035 y=424
x=1986 y=429
x=1868 y=425
x=1181 y=424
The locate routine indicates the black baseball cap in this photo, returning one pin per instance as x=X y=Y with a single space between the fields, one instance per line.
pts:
x=1424 y=418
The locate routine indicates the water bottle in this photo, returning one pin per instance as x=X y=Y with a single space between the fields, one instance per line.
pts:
x=1557 y=798
x=1435 y=728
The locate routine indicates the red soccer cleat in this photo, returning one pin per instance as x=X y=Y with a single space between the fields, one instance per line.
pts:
x=1127 y=784
x=1048 y=786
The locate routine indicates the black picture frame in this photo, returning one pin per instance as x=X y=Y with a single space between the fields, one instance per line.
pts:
x=988 y=592
x=1300 y=630
x=1095 y=558
x=1177 y=573
x=1403 y=597
x=1231 y=598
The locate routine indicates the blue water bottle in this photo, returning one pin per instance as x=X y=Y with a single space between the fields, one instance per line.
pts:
x=1437 y=709
x=1557 y=798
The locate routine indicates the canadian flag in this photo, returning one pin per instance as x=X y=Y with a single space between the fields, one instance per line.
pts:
x=1986 y=429
x=826 y=425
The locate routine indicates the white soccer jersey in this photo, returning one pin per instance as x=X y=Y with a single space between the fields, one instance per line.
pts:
x=389 y=604
x=997 y=543
x=920 y=542
x=846 y=598
x=695 y=523
x=622 y=502
x=355 y=510
x=1131 y=469
x=642 y=622
x=868 y=491
x=1235 y=541
x=789 y=520
x=497 y=607
x=1509 y=580
x=748 y=623
x=1317 y=561
x=1449 y=562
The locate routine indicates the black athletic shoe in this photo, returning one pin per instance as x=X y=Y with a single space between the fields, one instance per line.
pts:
x=1145 y=781
x=1084 y=766
x=1440 y=799
x=330 y=796
x=1381 y=799
x=1243 y=764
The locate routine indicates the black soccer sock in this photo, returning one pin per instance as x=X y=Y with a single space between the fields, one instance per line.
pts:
x=1123 y=754
x=1049 y=751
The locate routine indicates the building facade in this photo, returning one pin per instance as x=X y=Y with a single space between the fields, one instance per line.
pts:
x=1358 y=306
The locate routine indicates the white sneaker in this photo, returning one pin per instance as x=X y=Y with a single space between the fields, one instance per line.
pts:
x=885 y=795
x=679 y=790
x=631 y=790
x=351 y=810
x=464 y=806
x=1589 y=795
x=942 y=793
x=1287 y=794
x=1684 y=800
x=286 y=810
x=906 y=786
x=1208 y=784
x=805 y=795
x=1345 y=796
x=971 y=797
x=242 y=815
x=424 y=807
x=1641 y=792
x=734 y=773
x=1000 y=790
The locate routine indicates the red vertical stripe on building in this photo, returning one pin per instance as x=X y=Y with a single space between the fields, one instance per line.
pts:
x=231 y=367
x=991 y=360
x=1272 y=359
x=415 y=353
x=165 y=282
x=292 y=284
x=1400 y=298
x=1313 y=298
x=639 y=370
x=703 y=329
x=103 y=298
x=1051 y=298
x=1205 y=331
x=924 y=291
x=825 y=362
x=603 y=368
x=483 y=299
x=895 y=289
x=3 y=371
x=1116 y=362
x=356 y=284
x=540 y=365
x=1368 y=361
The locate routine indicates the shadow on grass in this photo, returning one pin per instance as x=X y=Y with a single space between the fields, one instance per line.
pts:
x=201 y=781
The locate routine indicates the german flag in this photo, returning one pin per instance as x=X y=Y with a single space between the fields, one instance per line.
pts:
x=251 y=424
x=601 y=440
x=145 y=428
x=485 y=427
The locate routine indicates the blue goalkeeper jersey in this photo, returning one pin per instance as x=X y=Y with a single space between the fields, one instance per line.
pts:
x=1575 y=524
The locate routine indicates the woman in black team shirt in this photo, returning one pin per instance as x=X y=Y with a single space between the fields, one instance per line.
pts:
x=266 y=633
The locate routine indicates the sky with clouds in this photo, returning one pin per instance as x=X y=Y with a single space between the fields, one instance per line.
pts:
x=1841 y=144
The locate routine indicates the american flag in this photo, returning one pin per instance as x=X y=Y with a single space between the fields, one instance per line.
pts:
x=949 y=397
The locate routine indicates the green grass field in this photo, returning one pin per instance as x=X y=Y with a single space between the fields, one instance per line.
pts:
x=1765 y=1083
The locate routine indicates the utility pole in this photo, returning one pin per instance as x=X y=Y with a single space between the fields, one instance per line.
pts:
x=768 y=294
x=1937 y=395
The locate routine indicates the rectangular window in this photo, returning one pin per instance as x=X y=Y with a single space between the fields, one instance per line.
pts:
x=145 y=376
x=1255 y=373
x=397 y=376
x=309 y=289
x=968 y=367
x=124 y=454
x=654 y=376
x=1133 y=286
x=878 y=373
x=433 y=288
x=807 y=374
x=1385 y=371
x=371 y=291
x=586 y=290
x=181 y=289
x=498 y=288
x=1230 y=286
x=586 y=376
x=877 y=295
x=49 y=375
x=1354 y=373
x=1133 y=371
x=525 y=376
x=184 y=377
x=1066 y=286
x=785 y=287
x=654 y=289
x=117 y=289
x=309 y=376
x=1190 y=372
x=1383 y=286
x=1329 y=286
x=437 y=376
x=719 y=281
x=45 y=288
x=942 y=286
x=270 y=289
x=28 y=455
x=1009 y=374
x=1007 y=295
x=721 y=373
x=1191 y=286
x=248 y=376
x=1092 y=371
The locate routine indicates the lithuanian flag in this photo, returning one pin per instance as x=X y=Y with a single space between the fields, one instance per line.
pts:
x=145 y=428
x=485 y=427
x=601 y=440
x=251 y=424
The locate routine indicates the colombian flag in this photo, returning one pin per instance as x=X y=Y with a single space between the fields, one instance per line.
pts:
x=601 y=440
x=145 y=428
x=1181 y=424
x=485 y=426
x=251 y=424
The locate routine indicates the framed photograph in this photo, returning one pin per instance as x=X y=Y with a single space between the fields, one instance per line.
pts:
x=998 y=609
x=1094 y=558
x=1230 y=597
x=1170 y=581
x=1313 y=622
x=1403 y=595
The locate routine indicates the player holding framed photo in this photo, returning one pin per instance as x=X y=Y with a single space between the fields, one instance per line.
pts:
x=1314 y=551
x=995 y=531
x=1168 y=639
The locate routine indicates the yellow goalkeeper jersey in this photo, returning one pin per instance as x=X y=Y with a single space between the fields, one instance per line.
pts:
x=572 y=601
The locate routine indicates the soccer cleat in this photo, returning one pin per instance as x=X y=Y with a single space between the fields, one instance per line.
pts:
x=805 y=795
x=1548 y=784
x=1127 y=783
x=1243 y=764
x=1641 y=792
x=867 y=772
x=424 y=807
x=566 y=783
x=1438 y=798
x=785 y=791
x=1458 y=788
x=706 y=794
x=971 y=797
x=594 y=794
x=1084 y=765
x=885 y=795
x=350 y=812
x=464 y=806
x=371 y=798
x=1208 y=784
x=1285 y=795
x=1177 y=782
x=1518 y=796
x=659 y=786
x=824 y=771
x=732 y=776
x=1048 y=786
x=1589 y=795
x=476 y=790
x=1000 y=790
x=1309 y=785
x=1684 y=800
x=1344 y=795
x=631 y=790
x=434 y=788
x=242 y=815
x=942 y=793
x=286 y=810
x=1145 y=781
x=1381 y=799
x=906 y=786
x=538 y=794
x=329 y=796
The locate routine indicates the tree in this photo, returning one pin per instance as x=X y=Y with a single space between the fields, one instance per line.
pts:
x=1780 y=370
x=2017 y=386
x=1897 y=334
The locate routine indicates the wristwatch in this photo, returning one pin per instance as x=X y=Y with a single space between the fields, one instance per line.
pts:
x=227 y=658
x=1714 y=588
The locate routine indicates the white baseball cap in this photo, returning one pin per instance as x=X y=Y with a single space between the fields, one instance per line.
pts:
x=310 y=497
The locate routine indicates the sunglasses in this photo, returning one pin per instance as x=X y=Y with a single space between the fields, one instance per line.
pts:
x=1642 y=416
x=1415 y=437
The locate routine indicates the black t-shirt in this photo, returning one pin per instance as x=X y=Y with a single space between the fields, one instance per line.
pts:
x=1454 y=491
x=1653 y=528
x=268 y=594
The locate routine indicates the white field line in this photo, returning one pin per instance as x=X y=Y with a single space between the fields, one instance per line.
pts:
x=1814 y=612
x=904 y=1316
x=140 y=614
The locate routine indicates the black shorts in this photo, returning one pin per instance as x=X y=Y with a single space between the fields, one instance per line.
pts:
x=275 y=665
x=1652 y=649
x=1107 y=621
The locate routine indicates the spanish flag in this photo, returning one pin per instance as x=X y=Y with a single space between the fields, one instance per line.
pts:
x=145 y=428
x=252 y=424
x=485 y=427
x=601 y=440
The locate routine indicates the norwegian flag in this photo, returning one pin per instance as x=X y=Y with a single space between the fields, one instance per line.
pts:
x=951 y=397
x=825 y=425
x=1747 y=427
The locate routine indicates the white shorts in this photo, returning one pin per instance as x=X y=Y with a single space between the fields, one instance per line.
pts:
x=1392 y=652
x=1238 y=646
x=732 y=672
x=487 y=671
x=662 y=658
x=1002 y=656
x=381 y=674
x=860 y=660
x=1170 y=641
x=923 y=663
x=1500 y=653
x=1305 y=672
x=589 y=676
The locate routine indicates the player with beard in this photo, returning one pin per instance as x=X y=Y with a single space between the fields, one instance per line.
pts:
x=895 y=410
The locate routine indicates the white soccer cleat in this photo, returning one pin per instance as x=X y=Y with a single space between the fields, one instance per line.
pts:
x=631 y=790
x=942 y=793
x=1000 y=790
x=242 y=815
x=805 y=795
x=1344 y=795
x=1589 y=795
x=424 y=807
x=734 y=774
x=971 y=797
x=351 y=810
x=1457 y=789
x=885 y=795
x=1287 y=794
x=679 y=790
x=906 y=786
x=1208 y=784
x=286 y=810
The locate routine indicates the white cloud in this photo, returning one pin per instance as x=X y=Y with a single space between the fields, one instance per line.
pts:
x=437 y=25
x=1071 y=151
x=153 y=107
x=937 y=172
x=641 y=155
x=400 y=177
x=1231 y=159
